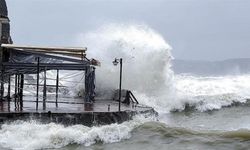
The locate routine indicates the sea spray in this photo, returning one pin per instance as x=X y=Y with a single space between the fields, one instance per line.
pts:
x=146 y=65
x=31 y=135
x=146 y=62
x=147 y=71
x=208 y=93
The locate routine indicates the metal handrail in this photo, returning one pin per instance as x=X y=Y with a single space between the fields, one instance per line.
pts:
x=134 y=100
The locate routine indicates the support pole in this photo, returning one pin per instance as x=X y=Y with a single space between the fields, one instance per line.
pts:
x=18 y=86
x=18 y=91
x=2 y=83
x=8 y=96
x=9 y=86
x=44 y=90
x=37 y=82
x=120 y=85
x=15 y=90
x=87 y=88
x=21 y=90
x=57 y=84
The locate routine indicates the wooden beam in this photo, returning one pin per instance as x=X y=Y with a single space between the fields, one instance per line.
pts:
x=78 y=55
x=4 y=20
x=65 y=49
x=26 y=67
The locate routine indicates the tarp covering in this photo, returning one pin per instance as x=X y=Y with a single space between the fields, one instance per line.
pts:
x=17 y=56
x=21 y=61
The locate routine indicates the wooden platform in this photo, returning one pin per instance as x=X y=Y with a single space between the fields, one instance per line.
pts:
x=72 y=112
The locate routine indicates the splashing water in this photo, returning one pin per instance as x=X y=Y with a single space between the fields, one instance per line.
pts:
x=146 y=60
x=208 y=93
x=147 y=71
x=34 y=135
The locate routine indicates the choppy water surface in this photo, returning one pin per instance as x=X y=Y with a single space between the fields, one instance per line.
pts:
x=185 y=130
x=225 y=129
x=194 y=112
x=184 y=127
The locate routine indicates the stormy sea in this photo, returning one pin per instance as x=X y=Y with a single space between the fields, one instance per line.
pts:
x=199 y=106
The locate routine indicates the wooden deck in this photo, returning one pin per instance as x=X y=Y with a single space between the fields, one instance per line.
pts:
x=69 y=107
x=71 y=111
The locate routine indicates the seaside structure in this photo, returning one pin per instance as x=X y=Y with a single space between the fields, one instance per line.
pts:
x=17 y=61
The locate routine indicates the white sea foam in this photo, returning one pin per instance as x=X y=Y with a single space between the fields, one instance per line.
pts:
x=146 y=61
x=147 y=71
x=34 y=135
x=208 y=93
x=146 y=58
x=145 y=54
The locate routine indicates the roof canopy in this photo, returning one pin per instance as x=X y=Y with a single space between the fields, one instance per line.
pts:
x=78 y=52
x=23 y=59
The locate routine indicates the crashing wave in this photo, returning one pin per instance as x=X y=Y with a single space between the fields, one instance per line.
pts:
x=31 y=135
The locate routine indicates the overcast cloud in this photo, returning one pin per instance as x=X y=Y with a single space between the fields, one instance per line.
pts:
x=196 y=29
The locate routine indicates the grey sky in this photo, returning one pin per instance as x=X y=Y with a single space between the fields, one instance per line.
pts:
x=196 y=29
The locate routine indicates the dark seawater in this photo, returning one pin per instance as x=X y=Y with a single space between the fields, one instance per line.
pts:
x=155 y=135
x=209 y=113
x=228 y=128
x=224 y=129
x=206 y=113
x=213 y=130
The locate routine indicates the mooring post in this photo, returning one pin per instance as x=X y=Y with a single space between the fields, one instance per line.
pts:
x=9 y=86
x=21 y=90
x=37 y=81
x=57 y=84
x=44 y=90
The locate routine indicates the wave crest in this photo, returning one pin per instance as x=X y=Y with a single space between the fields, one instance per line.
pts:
x=177 y=132
x=34 y=135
